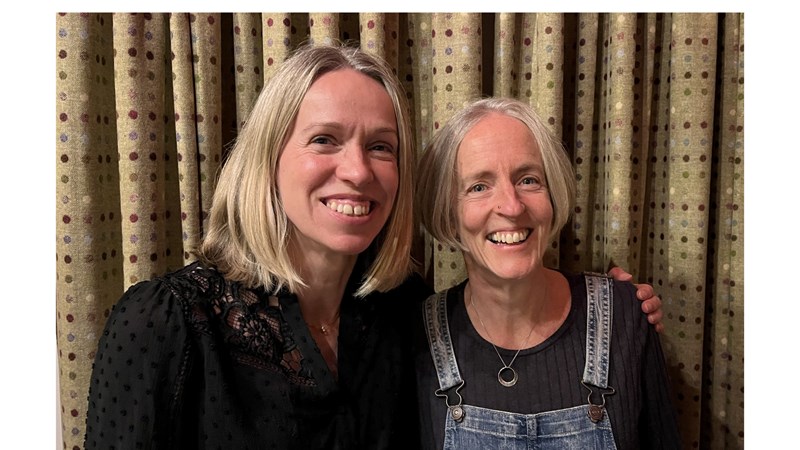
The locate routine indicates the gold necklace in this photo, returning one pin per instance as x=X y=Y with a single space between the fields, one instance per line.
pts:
x=326 y=328
x=506 y=367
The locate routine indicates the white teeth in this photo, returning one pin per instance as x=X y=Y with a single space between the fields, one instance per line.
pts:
x=361 y=209
x=509 y=238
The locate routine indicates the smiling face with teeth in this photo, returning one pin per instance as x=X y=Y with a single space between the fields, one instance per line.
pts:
x=504 y=210
x=337 y=174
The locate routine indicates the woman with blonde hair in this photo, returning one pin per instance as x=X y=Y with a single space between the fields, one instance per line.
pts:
x=279 y=336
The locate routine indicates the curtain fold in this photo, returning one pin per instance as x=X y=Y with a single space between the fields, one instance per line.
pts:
x=89 y=275
x=650 y=107
x=456 y=66
x=184 y=101
x=723 y=419
x=577 y=239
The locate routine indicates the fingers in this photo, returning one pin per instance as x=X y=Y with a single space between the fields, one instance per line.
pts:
x=646 y=292
x=655 y=317
x=651 y=303
x=619 y=274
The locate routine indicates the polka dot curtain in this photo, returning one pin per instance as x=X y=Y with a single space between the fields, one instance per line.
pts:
x=650 y=107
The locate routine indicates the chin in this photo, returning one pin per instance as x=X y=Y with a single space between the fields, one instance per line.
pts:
x=350 y=246
x=512 y=271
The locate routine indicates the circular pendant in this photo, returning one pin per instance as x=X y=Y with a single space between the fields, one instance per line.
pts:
x=503 y=381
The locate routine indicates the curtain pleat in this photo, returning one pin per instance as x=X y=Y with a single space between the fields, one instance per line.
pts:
x=420 y=45
x=682 y=266
x=649 y=106
x=277 y=33
x=456 y=58
x=89 y=275
x=249 y=62
x=184 y=101
x=505 y=55
x=140 y=44
x=577 y=242
x=723 y=420
x=546 y=83
x=619 y=154
x=324 y=28
x=206 y=55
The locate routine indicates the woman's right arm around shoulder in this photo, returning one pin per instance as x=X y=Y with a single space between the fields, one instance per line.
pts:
x=138 y=370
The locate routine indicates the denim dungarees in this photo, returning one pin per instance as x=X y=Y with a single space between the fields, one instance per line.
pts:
x=579 y=427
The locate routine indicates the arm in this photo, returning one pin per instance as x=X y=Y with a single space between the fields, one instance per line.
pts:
x=651 y=303
x=134 y=375
x=658 y=427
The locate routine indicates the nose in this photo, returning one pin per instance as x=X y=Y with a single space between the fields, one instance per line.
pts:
x=354 y=165
x=508 y=200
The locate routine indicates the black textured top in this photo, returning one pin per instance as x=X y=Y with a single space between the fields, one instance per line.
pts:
x=641 y=412
x=191 y=360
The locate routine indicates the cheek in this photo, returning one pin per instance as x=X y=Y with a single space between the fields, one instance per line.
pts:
x=470 y=221
x=389 y=179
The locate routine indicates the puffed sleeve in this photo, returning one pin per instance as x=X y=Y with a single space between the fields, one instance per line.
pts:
x=137 y=372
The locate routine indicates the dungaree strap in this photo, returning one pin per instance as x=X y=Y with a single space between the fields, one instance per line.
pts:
x=444 y=358
x=599 y=292
x=599 y=296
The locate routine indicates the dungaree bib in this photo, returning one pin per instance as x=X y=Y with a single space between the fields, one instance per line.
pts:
x=579 y=427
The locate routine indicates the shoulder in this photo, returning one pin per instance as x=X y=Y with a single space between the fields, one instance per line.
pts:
x=403 y=301
x=169 y=298
x=446 y=300
x=625 y=305
x=194 y=282
x=414 y=288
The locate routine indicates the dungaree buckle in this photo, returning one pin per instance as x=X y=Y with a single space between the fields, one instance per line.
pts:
x=595 y=412
x=456 y=411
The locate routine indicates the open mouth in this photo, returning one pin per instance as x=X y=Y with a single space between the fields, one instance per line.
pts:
x=509 y=237
x=349 y=208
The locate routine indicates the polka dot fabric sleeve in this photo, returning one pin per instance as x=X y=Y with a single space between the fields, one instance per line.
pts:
x=139 y=360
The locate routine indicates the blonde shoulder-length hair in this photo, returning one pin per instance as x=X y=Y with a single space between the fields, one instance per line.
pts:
x=437 y=178
x=249 y=232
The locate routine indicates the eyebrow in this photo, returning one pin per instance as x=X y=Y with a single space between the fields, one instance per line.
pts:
x=525 y=168
x=337 y=125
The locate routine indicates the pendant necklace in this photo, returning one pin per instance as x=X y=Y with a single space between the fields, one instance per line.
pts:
x=326 y=328
x=506 y=370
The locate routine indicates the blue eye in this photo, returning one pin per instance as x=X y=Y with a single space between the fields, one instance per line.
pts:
x=322 y=140
x=382 y=148
x=530 y=181
x=478 y=188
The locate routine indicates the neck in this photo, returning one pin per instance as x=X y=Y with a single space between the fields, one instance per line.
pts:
x=326 y=277
x=510 y=309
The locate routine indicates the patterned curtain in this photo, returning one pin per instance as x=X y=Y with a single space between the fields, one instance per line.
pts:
x=650 y=106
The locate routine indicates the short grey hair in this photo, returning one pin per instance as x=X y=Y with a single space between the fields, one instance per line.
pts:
x=437 y=177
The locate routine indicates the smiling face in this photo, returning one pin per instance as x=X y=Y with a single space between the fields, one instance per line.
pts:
x=337 y=174
x=504 y=209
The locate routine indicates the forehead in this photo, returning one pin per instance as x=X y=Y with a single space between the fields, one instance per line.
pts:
x=349 y=92
x=497 y=140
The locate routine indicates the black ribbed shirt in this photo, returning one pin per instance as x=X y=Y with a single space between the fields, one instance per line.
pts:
x=641 y=412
